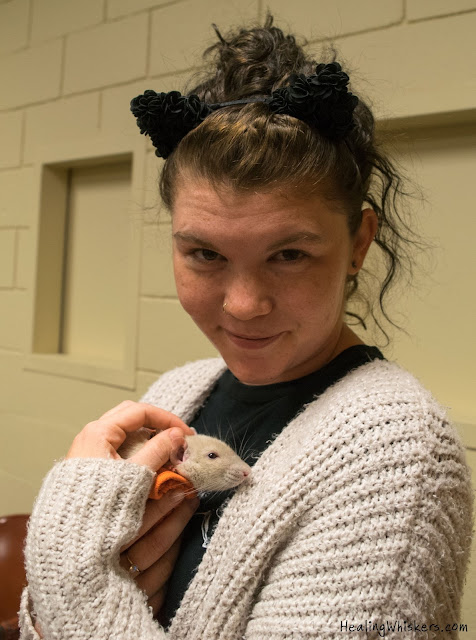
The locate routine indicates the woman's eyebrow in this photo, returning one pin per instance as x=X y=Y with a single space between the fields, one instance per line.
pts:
x=295 y=237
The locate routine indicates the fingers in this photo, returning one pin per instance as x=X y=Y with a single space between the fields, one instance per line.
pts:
x=155 y=553
x=155 y=578
x=159 y=449
x=158 y=540
x=102 y=438
x=155 y=511
x=130 y=416
x=156 y=601
x=118 y=407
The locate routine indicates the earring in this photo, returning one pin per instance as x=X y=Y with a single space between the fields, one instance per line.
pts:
x=354 y=264
x=224 y=307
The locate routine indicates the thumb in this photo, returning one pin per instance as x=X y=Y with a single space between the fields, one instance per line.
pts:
x=160 y=449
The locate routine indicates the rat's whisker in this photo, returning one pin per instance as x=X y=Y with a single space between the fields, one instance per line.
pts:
x=243 y=446
x=227 y=439
x=217 y=430
x=244 y=438
x=204 y=429
x=188 y=492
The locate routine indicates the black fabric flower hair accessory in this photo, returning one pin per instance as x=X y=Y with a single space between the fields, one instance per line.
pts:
x=322 y=100
x=167 y=117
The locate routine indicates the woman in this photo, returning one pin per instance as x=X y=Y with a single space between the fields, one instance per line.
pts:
x=358 y=512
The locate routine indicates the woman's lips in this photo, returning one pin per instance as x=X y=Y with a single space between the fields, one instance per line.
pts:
x=251 y=343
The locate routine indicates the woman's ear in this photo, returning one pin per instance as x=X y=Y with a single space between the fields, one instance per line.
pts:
x=363 y=239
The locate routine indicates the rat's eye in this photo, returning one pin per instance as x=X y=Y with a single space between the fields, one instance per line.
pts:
x=213 y=455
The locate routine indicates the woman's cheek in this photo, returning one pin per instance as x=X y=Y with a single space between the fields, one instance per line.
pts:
x=193 y=294
x=190 y=299
x=322 y=299
x=184 y=284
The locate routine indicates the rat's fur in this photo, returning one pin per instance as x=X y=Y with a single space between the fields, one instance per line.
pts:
x=209 y=463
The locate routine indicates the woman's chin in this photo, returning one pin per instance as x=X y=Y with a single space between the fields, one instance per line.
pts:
x=253 y=373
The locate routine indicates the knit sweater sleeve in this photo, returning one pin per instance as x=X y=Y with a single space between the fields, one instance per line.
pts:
x=87 y=509
x=385 y=547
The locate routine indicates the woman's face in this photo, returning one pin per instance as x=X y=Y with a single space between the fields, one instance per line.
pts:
x=281 y=267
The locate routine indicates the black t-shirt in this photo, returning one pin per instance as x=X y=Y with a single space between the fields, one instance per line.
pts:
x=248 y=418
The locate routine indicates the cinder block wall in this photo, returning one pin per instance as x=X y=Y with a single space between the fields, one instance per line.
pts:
x=68 y=70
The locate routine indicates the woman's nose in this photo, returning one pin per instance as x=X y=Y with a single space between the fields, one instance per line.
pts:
x=246 y=299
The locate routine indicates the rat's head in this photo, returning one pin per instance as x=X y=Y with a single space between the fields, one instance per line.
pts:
x=210 y=464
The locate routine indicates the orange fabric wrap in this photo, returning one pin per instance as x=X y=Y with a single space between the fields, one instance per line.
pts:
x=167 y=480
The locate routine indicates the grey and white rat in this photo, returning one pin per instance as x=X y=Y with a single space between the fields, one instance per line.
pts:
x=207 y=462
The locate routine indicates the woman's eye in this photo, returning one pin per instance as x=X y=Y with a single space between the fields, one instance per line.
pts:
x=286 y=255
x=291 y=255
x=207 y=255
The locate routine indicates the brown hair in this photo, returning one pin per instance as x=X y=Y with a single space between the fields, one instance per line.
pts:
x=248 y=148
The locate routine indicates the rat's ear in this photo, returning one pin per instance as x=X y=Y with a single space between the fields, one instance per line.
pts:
x=181 y=455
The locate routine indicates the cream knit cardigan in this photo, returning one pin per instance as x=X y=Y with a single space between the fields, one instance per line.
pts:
x=358 y=513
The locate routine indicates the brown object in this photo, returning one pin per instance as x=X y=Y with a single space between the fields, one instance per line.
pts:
x=12 y=573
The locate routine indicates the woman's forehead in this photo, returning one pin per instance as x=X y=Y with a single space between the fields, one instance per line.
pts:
x=199 y=201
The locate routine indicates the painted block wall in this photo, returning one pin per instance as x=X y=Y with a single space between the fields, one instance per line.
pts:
x=67 y=73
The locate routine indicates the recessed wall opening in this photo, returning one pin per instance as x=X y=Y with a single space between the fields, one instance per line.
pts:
x=83 y=260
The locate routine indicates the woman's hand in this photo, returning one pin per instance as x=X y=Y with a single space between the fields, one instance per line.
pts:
x=102 y=438
x=155 y=548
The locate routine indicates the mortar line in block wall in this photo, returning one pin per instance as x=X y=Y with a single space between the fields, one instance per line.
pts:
x=13 y=167
x=132 y=14
x=158 y=297
x=445 y=16
x=260 y=11
x=405 y=14
x=50 y=101
x=114 y=85
x=100 y=107
x=16 y=245
x=22 y=138
x=11 y=350
x=30 y=22
x=148 y=47
x=62 y=66
x=147 y=371
x=351 y=34
x=72 y=376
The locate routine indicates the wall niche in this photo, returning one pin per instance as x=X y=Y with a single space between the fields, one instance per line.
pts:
x=87 y=261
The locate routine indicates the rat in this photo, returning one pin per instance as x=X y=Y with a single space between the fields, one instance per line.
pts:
x=207 y=462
